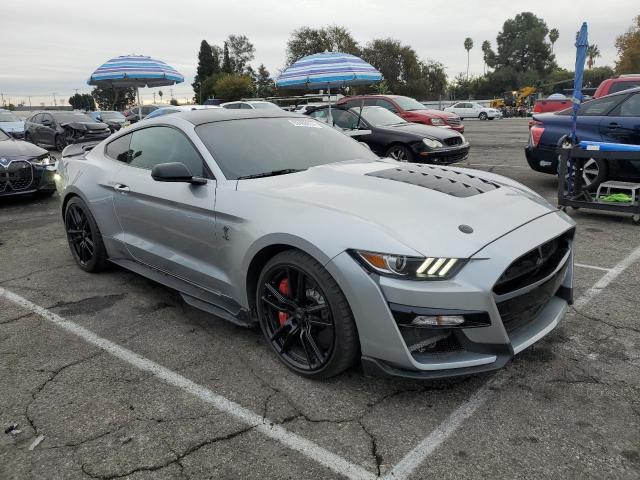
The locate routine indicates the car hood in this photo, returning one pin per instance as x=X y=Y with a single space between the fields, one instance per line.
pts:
x=12 y=126
x=433 y=113
x=423 y=215
x=19 y=148
x=419 y=131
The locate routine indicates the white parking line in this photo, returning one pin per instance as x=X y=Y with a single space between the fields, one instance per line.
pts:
x=493 y=165
x=451 y=424
x=295 y=442
x=592 y=267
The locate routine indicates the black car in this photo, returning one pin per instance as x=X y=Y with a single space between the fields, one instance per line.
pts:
x=131 y=115
x=115 y=120
x=24 y=168
x=393 y=137
x=61 y=128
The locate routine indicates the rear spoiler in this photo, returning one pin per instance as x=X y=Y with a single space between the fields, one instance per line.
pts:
x=77 y=149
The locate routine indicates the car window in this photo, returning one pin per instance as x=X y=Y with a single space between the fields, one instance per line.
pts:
x=118 y=149
x=386 y=104
x=245 y=106
x=345 y=119
x=601 y=106
x=631 y=106
x=46 y=116
x=155 y=145
x=36 y=118
x=620 y=86
x=233 y=106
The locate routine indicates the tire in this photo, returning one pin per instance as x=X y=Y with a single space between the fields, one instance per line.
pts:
x=78 y=230
x=483 y=116
x=400 y=153
x=285 y=332
x=60 y=143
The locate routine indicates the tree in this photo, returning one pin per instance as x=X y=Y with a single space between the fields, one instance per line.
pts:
x=208 y=64
x=265 y=86
x=226 y=60
x=82 y=101
x=468 y=45
x=593 y=52
x=173 y=102
x=240 y=52
x=628 y=45
x=554 y=34
x=109 y=98
x=160 y=95
x=233 y=87
x=307 y=41
x=486 y=50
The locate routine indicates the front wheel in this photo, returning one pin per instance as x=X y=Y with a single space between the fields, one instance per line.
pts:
x=483 y=116
x=84 y=237
x=305 y=317
x=400 y=153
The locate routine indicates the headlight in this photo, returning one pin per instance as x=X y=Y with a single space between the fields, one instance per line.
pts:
x=437 y=122
x=411 y=268
x=431 y=143
x=45 y=161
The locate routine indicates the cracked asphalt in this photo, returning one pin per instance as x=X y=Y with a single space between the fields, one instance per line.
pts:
x=567 y=407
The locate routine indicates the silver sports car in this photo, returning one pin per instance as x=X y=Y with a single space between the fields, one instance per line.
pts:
x=270 y=218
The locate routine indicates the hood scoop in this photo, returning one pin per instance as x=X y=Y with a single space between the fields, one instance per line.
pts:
x=451 y=182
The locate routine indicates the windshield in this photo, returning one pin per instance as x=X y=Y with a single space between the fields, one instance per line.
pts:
x=117 y=116
x=8 y=117
x=3 y=136
x=409 y=104
x=259 y=145
x=265 y=105
x=68 y=117
x=379 y=116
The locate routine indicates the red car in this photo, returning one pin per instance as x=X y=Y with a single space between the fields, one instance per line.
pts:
x=545 y=105
x=617 y=84
x=409 y=109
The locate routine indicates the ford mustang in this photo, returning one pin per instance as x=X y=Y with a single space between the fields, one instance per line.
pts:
x=270 y=218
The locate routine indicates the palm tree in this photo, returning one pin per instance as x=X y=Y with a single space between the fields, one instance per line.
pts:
x=593 y=52
x=553 y=37
x=486 y=48
x=468 y=45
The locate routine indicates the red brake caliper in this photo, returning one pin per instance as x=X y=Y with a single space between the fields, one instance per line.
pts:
x=283 y=288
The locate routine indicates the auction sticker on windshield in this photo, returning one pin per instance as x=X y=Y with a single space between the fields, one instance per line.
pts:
x=305 y=123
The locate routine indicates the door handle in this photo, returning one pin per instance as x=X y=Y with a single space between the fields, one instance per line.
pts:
x=118 y=187
x=613 y=125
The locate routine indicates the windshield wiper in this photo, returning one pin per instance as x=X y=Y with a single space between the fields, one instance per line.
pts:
x=272 y=173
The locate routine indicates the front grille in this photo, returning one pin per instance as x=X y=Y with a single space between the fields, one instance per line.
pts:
x=451 y=157
x=454 y=122
x=533 y=265
x=453 y=141
x=18 y=175
x=519 y=311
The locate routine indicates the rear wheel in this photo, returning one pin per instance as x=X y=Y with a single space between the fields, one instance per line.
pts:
x=400 y=153
x=483 y=116
x=84 y=237
x=305 y=317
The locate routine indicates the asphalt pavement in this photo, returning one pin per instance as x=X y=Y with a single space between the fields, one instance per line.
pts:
x=113 y=376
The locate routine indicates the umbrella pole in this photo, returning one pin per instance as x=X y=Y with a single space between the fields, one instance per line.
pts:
x=330 y=117
x=139 y=104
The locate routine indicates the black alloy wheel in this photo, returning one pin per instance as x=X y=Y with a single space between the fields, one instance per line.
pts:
x=85 y=240
x=483 y=116
x=400 y=153
x=305 y=317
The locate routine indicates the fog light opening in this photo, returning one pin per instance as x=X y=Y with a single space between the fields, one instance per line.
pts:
x=437 y=321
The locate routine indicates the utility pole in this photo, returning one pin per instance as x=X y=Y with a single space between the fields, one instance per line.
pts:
x=29 y=101
x=171 y=93
x=55 y=103
x=154 y=97
x=2 y=95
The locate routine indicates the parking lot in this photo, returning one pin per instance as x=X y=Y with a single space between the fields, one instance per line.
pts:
x=113 y=376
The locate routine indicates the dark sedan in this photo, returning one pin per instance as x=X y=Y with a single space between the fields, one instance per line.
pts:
x=391 y=136
x=614 y=118
x=61 y=128
x=115 y=120
x=24 y=168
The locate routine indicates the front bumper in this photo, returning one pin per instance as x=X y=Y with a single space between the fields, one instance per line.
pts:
x=21 y=177
x=478 y=349
x=443 y=156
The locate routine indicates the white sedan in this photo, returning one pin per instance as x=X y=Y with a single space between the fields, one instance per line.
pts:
x=473 y=110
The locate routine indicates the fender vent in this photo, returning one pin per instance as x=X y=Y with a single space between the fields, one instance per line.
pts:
x=451 y=182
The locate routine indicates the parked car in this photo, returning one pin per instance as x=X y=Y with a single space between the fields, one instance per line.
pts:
x=58 y=129
x=274 y=219
x=307 y=107
x=552 y=103
x=614 y=118
x=617 y=84
x=473 y=110
x=177 y=108
x=393 y=137
x=131 y=114
x=408 y=108
x=115 y=120
x=11 y=124
x=251 y=104
x=25 y=168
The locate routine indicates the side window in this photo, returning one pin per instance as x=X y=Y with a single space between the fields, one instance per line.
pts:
x=345 y=119
x=233 y=106
x=631 y=106
x=118 y=149
x=36 y=118
x=245 y=106
x=154 y=145
x=601 y=106
x=320 y=114
x=620 y=86
x=48 y=117
x=386 y=104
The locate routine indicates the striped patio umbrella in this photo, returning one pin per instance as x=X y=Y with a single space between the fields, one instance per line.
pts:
x=135 y=71
x=326 y=70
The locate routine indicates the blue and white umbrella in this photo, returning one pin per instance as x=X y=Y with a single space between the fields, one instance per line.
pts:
x=135 y=71
x=326 y=70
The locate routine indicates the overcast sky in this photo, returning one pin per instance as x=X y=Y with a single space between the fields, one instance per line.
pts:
x=54 y=46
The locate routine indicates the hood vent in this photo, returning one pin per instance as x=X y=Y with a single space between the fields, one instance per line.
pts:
x=451 y=182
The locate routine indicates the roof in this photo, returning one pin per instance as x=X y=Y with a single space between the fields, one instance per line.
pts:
x=199 y=117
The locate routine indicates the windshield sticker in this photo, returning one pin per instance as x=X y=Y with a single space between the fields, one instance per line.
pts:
x=305 y=123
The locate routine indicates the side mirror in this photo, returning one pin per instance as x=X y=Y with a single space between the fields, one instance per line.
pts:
x=46 y=123
x=175 y=172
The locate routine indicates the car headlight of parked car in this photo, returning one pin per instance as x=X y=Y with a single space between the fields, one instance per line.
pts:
x=411 y=268
x=431 y=143
x=44 y=161
x=437 y=122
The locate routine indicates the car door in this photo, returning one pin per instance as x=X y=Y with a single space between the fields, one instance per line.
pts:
x=33 y=125
x=48 y=129
x=622 y=125
x=455 y=108
x=166 y=225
